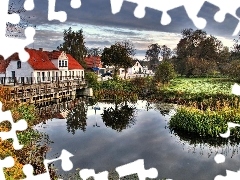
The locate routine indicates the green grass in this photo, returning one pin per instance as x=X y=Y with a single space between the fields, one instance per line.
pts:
x=211 y=86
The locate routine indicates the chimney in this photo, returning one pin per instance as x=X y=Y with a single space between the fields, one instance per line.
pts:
x=40 y=49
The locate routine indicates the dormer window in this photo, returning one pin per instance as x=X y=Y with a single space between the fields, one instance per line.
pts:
x=65 y=63
x=19 y=64
x=60 y=63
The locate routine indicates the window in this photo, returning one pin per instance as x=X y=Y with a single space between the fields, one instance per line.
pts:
x=60 y=75
x=19 y=64
x=60 y=63
x=137 y=64
x=38 y=77
x=73 y=74
x=48 y=75
x=43 y=76
x=65 y=74
x=65 y=63
x=69 y=74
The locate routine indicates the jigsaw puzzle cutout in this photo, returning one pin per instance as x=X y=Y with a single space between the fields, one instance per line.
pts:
x=21 y=125
x=192 y=8
x=7 y=48
x=137 y=167
x=87 y=173
x=219 y=158
x=66 y=166
x=5 y=163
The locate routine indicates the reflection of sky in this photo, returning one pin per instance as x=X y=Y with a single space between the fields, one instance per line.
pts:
x=102 y=148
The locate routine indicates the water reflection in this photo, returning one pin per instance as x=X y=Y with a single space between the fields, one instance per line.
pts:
x=77 y=118
x=120 y=117
x=176 y=155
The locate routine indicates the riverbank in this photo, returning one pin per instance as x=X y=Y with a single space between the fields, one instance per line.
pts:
x=205 y=104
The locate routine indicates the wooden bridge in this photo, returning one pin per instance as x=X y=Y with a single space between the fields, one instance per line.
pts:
x=45 y=92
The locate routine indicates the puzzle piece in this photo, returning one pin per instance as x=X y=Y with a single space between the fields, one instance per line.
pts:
x=230 y=175
x=7 y=48
x=137 y=167
x=192 y=8
x=18 y=126
x=66 y=166
x=87 y=173
x=5 y=163
x=229 y=7
x=29 y=5
x=230 y=125
x=75 y=4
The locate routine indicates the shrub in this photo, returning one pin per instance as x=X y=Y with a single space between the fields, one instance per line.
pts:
x=165 y=72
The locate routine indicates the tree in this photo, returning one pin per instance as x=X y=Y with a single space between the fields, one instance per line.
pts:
x=128 y=45
x=197 y=51
x=152 y=55
x=74 y=44
x=17 y=30
x=166 y=52
x=164 y=73
x=118 y=56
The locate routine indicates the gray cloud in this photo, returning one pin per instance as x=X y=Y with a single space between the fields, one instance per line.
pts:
x=102 y=28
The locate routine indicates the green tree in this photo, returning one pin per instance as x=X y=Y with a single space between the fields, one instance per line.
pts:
x=74 y=44
x=117 y=56
x=131 y=51
x=166 y=52
x=92 y=80
x=164 y=73
x=152 y=55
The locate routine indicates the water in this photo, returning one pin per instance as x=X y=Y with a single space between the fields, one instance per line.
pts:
x=96 y=146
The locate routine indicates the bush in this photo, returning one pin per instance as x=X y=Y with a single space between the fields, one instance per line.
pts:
x=92 y=79
x=205 y=123
x=165 y=72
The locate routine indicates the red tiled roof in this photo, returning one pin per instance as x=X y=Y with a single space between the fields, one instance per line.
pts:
x=73 y=64
x=4 y=63
x=93 y=60
x=39 y=60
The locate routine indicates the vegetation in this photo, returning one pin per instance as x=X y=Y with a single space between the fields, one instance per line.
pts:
x=30 y=138
x=74 y=44
x=153 y=55
x=164 y=73
x=118 y=55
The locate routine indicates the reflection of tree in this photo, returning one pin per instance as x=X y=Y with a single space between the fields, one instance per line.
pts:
x=119 y=118
x=164 y=108
x=76 y=118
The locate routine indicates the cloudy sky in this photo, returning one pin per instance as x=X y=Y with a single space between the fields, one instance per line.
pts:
x=101 y=28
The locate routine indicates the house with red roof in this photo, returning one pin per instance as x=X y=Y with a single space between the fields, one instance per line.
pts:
x=42 y=66
x=94 y=64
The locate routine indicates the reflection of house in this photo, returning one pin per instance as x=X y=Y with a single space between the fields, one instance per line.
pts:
x=42 y=66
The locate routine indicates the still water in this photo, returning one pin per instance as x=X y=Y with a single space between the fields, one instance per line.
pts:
x=116 y=135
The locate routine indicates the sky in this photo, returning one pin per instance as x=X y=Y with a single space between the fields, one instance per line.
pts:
x=101 y=28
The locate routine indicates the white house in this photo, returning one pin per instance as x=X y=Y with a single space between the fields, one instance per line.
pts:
x=43 y=66
x=136 y=68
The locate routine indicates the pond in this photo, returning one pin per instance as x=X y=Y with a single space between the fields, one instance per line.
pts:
x=128 y=132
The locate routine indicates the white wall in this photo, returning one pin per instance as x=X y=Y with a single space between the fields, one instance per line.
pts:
x=135 y=68
x=25 y=70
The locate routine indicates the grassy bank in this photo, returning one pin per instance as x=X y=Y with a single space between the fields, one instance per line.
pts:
x=207 y=104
